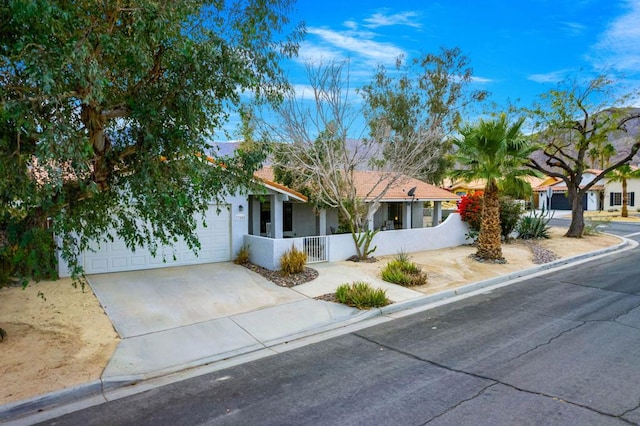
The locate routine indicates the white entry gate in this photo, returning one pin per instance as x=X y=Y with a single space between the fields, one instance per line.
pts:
x=315 y=248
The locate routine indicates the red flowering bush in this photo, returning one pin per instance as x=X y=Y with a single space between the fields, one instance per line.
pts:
x=470 y=209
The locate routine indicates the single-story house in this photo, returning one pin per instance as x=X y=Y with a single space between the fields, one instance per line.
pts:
x=401 y=207
x=269 y=221
x=552 y=195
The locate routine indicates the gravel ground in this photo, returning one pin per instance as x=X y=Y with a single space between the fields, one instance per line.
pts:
x=540 y=254
x=278 y=278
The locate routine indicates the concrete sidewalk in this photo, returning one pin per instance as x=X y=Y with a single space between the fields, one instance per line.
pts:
x=197 y=345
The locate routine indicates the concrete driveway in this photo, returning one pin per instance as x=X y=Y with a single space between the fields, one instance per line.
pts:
x=143 y=302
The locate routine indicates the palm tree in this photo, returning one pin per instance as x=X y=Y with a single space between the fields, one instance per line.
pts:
x=497 y=152
x=621 y=174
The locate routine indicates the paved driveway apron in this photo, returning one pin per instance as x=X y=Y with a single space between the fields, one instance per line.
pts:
x=143 y=302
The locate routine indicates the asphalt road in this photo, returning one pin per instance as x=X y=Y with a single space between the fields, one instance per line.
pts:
x=561 y=349
x=617 y=228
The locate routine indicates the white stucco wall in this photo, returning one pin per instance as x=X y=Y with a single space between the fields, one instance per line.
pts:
x=266 y=252
x=633 y=185
x=304 y=220
x=239 y=223
x=452 y=232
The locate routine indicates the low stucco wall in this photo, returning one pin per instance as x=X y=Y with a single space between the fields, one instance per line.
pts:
x=452 y=232
x=267 y=252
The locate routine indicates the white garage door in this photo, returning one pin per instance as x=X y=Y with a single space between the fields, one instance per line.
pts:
x=215 y=241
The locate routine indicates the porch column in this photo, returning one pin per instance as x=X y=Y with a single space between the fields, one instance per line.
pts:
x=277 y=214
x=408 y=214
x=436 y=216
x=322 y=222
x=254 y=215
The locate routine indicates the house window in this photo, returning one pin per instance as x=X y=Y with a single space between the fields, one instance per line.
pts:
x=265 y=216
x=615 y=199
x=394 y=213
x=287 y=217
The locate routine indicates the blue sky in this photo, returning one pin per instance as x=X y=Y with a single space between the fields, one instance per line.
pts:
x=517 y=49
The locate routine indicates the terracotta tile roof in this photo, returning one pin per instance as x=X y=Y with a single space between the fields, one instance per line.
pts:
x=369 y=184
x=479 y=184
x=365 y=182
x=265 y=175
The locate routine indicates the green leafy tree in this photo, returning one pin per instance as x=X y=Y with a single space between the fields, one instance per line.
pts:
x=493 y=150
x=106 y=105
x=622 y=174
x=574 y=124
x=418 y=97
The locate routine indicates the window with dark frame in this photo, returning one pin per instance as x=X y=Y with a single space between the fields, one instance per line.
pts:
x=615 y=199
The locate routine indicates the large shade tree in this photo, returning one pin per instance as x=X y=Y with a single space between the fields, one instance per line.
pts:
x=575 y=123
x=105 y=107
x=496 y=151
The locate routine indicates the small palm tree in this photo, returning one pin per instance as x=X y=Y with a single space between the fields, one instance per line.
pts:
x=622 y=174
x=497 y=152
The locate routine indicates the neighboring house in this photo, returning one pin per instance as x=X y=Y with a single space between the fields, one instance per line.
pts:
x=461 y=187
x=612 y=199
x=552 y=195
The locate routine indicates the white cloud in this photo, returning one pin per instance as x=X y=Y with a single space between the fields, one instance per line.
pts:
x=352 y=25
x=380 y=19
x=550 y=77
x=481 y=80
x=572 y=28
x=310 y=52
x=619 y=45
x=359 y=44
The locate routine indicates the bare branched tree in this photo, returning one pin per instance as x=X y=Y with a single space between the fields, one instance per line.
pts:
x=574 y=124
x=316 y=153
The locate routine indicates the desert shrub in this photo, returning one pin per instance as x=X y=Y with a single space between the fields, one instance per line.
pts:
x=510 y=214
x=591 y=226
x=243 y=256
x=534 y=226
x=293 y=261
x=403 y=272
x=361 y=295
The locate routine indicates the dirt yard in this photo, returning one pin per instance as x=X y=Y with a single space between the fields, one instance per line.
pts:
x=59 y=340
x=66 y=339
x=452 y=267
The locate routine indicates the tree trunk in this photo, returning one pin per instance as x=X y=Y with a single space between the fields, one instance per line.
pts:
x=625 y=199
x=576 y=228
x=489 y=244
x=95 y=123
x=355 y=242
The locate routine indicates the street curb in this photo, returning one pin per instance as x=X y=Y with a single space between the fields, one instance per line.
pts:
x=49 y=401
x=57 y=403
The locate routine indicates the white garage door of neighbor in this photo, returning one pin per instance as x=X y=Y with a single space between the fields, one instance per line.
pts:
x=215 y=241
